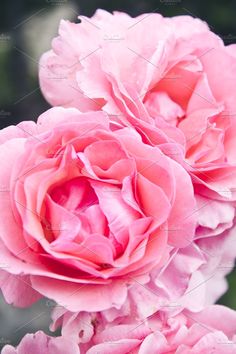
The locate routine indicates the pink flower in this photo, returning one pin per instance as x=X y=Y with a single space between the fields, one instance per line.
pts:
x=177 y=85
x=39 y=343
x=86 y=211
x=184 y=332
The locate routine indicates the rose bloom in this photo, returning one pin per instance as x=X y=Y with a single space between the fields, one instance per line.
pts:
x=86 y=211
x=183 y=332
x=39 y=343
x=175 y=85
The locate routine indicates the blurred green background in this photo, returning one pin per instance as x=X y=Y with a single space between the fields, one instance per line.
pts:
x=27 y=27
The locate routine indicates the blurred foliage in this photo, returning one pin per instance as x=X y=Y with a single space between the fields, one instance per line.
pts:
x=229 y=299
x=5 y=84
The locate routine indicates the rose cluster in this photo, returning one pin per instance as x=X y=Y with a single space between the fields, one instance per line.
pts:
x=119 y=203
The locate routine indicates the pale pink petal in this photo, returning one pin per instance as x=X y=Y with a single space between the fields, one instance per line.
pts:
x=41 y=343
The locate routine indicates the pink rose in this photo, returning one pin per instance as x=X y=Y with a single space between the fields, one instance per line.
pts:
x=177 y=85
x=184 y=332
x=39 y=343
x=86 y=211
